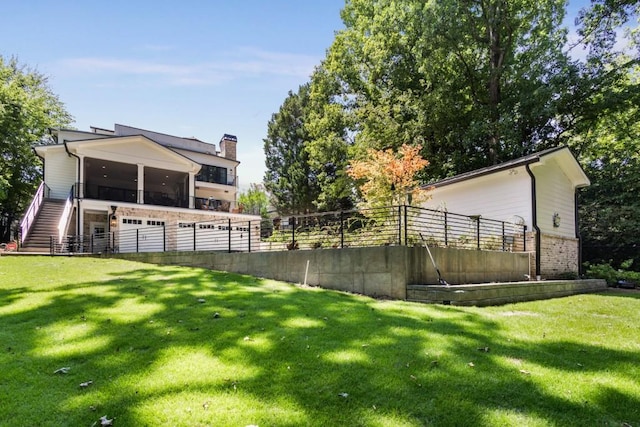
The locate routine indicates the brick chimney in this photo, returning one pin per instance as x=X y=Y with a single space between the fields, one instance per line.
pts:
x=228 y=146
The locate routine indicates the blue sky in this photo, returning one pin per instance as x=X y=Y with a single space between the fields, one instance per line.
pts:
x=186 y=68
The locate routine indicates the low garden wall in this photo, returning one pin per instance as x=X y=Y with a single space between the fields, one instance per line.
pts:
x=375 y=271
x=502 y=293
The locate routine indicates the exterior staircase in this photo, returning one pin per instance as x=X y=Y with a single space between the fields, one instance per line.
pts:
x=45 y=226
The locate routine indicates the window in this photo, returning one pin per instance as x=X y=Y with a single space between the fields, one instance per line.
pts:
x=214 y=174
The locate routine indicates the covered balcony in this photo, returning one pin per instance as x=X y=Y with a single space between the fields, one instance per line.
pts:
x=122 y=182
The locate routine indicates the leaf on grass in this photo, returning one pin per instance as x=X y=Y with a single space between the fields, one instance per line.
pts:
x=205 y=405
x=202 y=300
x=485 y=349
x=86 y=384
x=525 y=372
x=247 y=338
x=471 y=364
x=216 y=315
x=63 y=370
x=104 y=421
x=345 y=395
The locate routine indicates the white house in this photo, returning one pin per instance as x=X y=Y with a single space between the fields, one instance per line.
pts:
x=106 y=183
x=539 y=191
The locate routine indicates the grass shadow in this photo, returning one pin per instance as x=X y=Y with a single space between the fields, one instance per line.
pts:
x=184 y=346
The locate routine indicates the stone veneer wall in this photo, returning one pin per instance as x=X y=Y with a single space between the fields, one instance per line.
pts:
x=559 y=255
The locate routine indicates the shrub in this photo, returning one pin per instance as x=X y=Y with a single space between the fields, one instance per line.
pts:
x=611 y=275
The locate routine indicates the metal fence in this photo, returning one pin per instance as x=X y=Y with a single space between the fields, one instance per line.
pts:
x=395 y=225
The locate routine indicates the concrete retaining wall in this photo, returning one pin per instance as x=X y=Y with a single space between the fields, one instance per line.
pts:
x=374 y=271
x=502 y=293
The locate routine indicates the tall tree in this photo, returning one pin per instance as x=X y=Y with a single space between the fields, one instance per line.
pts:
x=254 y=201
x=28 y=108
x=328 y=151
x=607 y=133
x=474 y=81
x=289 y=179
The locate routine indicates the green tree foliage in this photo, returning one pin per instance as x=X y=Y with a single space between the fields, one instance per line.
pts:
x=28 y=109
x=254 y=201
x=475 y=82
x=289 y=178
x=606 y=134
x=609 y=208
x=329 y=127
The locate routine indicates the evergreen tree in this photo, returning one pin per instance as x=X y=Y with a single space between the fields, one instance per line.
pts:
x=289 y=179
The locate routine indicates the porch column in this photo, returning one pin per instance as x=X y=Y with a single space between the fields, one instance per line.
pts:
x=141 y=184
x=192 y=190
x=80 y=190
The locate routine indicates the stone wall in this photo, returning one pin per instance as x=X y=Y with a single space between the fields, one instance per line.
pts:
x=559 y=256
x=502 y=293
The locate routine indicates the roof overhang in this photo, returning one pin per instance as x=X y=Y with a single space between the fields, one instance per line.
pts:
x=149 y=152
x=561 y=155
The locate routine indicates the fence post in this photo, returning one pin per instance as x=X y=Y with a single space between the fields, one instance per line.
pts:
x=446 y=231
x=194 y=236
x=91 y=242
x=293 y=233
x=406 y=241
x=478 y=232
x=503 y=238
x=341 y=229
x=164 y=237
x=51 y=247
x=229 y=227
x=399 y=225
x=249 y=235
x=524 y=238
x=137 y=240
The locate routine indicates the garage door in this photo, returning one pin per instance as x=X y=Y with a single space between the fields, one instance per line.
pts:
x=141 y=235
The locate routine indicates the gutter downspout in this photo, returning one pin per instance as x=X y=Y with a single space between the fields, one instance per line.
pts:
x=77 y=192
x=534 y=218
x=578 y=236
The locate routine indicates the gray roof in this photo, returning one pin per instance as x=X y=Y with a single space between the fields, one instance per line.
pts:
x=521 y=161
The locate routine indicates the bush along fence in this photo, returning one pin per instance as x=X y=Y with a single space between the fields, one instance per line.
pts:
x=395 y=225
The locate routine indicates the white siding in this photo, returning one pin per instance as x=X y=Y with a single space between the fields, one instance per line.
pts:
x=502 y=196
x=60 y=171
x=554 y=193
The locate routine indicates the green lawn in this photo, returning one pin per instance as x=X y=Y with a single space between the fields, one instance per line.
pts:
x=176 y=346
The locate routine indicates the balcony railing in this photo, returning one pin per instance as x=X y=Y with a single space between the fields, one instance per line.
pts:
x=231 y=180
x=156 y=198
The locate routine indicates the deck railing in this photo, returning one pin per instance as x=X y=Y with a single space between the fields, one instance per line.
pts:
x=394 y=225
x=65 y=218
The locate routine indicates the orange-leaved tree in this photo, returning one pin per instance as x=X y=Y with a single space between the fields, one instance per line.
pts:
x=389 y=178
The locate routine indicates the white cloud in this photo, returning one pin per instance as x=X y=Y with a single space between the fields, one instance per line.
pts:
x=245 y=62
